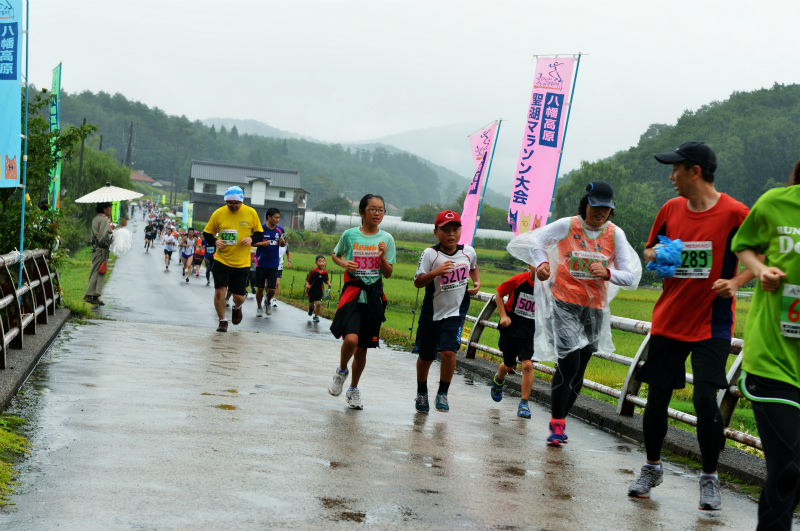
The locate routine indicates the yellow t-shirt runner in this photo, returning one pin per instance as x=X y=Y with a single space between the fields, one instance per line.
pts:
x=232 y=228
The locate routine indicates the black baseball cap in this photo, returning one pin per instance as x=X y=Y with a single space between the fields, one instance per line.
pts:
x=600 y=193
x=697 y=152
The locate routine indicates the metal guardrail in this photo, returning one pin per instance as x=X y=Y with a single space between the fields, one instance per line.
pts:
x=21 y=309
x=627 y=397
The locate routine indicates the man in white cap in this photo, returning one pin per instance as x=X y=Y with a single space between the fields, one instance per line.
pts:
x=232 y=229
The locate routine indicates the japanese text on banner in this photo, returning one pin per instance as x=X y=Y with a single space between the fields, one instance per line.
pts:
x=535 y=176
x=481 y=144
x=10 y=93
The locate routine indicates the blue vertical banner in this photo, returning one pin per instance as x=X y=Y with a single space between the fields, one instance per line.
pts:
x=10 y=92
x=185 y=215
x=54 y=192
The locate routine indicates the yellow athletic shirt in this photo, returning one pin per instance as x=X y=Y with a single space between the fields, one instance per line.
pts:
x=233 y=228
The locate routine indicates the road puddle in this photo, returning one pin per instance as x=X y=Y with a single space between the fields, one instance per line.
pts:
x=226 y=407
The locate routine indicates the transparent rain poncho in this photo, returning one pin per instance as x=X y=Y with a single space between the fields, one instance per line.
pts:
x=572 y=308
x=123 y=241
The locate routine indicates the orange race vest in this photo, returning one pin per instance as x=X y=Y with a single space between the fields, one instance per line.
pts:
x=576 y=252
x=200 y=247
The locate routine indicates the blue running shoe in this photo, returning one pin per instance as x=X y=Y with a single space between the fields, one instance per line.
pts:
x=497 y=389
x=421 y=403
x=524 y=411
x=441 y=402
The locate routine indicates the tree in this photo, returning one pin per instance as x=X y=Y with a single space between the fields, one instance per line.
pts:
x=333 y=205
x=234 y=133
x=41 y=227
x=213 y=132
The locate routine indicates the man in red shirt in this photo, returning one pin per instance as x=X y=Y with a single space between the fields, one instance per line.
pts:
x=694 y=314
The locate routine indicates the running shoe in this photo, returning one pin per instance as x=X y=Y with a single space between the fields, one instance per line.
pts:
x=650 y=477
x=316 y=319
x=167 y=267
x=421 y=403
x=497 y=389
x=354 y=399
x=335 y=387
x=556 y=438
x=197 y=274
x=710 y=499
x=523 y=411
x=259 y=312
x=223 y=326
x=441 y=402
x=269 y=308
x=310 y=309
x=274 y=303
x=187 y=279
x=236 y=315
x=208 y=282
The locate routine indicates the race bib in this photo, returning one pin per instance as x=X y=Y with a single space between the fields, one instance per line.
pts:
x=211 y=249
x=790 y=311
x=368 y=263
x=455 y=279
x=526 y=306
x=580 y=261
x=229 y=236
x=695 y=260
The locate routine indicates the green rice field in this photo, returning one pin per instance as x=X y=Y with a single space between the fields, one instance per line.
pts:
x=402 y=301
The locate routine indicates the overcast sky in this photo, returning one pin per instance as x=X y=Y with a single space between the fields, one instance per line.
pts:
x=344 y=71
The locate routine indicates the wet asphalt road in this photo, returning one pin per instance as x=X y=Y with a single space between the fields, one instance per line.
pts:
x=136 y=424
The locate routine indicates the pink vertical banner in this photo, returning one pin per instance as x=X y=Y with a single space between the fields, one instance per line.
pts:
x=535 y=178
x=481 y=144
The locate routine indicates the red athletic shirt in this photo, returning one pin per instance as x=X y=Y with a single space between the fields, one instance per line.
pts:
x=689 y=309
x=520 y=306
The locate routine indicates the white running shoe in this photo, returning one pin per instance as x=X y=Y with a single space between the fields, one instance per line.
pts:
x=274 y=303
x=269 y=308
x=354 y=399
x=259 y=312
x=335 y=387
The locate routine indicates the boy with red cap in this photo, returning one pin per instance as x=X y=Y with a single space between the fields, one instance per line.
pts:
x=444 y=271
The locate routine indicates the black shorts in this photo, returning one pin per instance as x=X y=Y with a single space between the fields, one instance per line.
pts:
x=197 y=260
x=168 y=253
x=151 y=237
x=266 y=276
x=368 y=332
x=233 y=278
x=572 y=322
x=665 y=366
x=515 y=346
x=315 y=295
x=280 y=273
x=436 y=336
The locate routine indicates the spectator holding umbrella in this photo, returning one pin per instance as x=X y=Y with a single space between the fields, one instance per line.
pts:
x=102 y=236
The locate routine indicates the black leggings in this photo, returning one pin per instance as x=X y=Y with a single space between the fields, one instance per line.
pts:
x=709 y=423
x=568 y=380
x=779 y=428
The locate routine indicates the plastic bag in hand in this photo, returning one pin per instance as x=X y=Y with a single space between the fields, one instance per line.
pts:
x=668 y=257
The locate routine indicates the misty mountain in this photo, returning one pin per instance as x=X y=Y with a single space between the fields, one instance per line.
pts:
x=254 y=127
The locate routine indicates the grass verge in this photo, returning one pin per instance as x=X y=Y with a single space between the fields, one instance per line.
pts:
x=73 y=273
x=12 y=446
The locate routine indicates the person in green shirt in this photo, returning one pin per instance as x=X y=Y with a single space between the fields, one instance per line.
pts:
x=771 y=353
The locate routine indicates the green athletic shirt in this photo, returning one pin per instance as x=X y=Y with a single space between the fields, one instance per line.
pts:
x=354 y=245
x=772 y=332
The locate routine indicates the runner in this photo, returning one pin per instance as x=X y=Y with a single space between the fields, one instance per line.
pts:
x=444 y=271
x=314 y=287
x=187 y=253
x=771 y=366
x=281 y=252
x=209 y=261
x=149 y=236
x=199 y=255
x=268 y=260
x=517 y=326
x=169 y=246
x=694 y=314
x=367 y=254
x=577 y=256
x=237 y=226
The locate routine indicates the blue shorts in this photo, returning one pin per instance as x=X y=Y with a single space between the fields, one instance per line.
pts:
x=436 y=336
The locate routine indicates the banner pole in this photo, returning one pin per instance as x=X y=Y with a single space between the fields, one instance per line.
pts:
x=486 y=181
x=25 y=148
x=564 y=138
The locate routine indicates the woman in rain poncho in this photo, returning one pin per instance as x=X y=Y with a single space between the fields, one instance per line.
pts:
x=575 y=257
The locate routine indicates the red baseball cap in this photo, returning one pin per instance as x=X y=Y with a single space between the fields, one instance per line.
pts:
x=447 y=216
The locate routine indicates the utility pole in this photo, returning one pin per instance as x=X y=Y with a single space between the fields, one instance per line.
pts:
x=172 y=185
x=101 y=142
x=80 y=164
x=128 y=152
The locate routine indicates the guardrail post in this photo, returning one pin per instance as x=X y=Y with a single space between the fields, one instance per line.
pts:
x=49 y=291
x=39 y=297
x=477 y=330
x=13 y=312
x=727 y=400
x=632 y=385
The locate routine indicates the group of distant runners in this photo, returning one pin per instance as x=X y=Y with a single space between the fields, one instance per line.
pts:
x=559 y=308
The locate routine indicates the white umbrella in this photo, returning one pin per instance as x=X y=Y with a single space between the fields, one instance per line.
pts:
x=108 y=194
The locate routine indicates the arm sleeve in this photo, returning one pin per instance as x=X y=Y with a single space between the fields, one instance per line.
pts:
x=209 y=238
x=340 y=246
x=391 y=251
x=753 y=233
x=658 y=228
x=622 y=274
x=424 y=263
x=550 y=235
x=473 y=257
x=258 y=236
x=508 y=287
